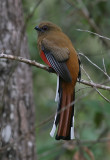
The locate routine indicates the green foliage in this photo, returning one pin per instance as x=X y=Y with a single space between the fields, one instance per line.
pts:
x=92 y=112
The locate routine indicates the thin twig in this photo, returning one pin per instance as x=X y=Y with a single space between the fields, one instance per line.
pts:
x=102 y=95
x=83 y=88
x=95 y=65
x=82 y=30
x=104 y=65
x=102 y=140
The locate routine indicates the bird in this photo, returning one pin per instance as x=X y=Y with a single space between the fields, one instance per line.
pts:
x=57 y=51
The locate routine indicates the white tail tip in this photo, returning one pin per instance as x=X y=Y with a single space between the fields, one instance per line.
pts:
x=53 y=130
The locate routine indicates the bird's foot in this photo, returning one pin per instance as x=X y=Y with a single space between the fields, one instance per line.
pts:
x=51 y=70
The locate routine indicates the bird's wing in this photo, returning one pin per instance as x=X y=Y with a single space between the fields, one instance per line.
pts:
x=59 y=67
x=60 y=53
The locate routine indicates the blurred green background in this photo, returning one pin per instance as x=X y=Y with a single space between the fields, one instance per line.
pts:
x=92 y=113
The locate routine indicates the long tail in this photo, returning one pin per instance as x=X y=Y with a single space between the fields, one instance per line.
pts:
x=64 y=118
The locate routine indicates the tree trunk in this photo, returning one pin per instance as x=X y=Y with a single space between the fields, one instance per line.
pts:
x=17 y=112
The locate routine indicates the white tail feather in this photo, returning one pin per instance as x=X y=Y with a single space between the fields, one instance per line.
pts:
x=57 y=93
x=53 y=128
x=72 y=129
x=56 y=100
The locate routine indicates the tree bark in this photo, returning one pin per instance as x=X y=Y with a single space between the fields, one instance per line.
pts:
x=17 y=112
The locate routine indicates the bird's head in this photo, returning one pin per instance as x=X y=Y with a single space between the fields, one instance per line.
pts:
x=46 y=27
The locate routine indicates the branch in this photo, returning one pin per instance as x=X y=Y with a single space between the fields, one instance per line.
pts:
x=24 y=60
x=83 y=30
x=38 y=65
x=95 y=87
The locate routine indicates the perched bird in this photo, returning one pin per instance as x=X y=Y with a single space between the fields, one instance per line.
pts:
x=57 y=51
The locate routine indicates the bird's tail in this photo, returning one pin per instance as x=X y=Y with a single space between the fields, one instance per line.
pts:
x=64 y=118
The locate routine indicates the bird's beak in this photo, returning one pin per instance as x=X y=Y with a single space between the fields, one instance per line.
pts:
x=37 y=28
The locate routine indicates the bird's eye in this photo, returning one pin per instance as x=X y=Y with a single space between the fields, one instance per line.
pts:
x=45 y=28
